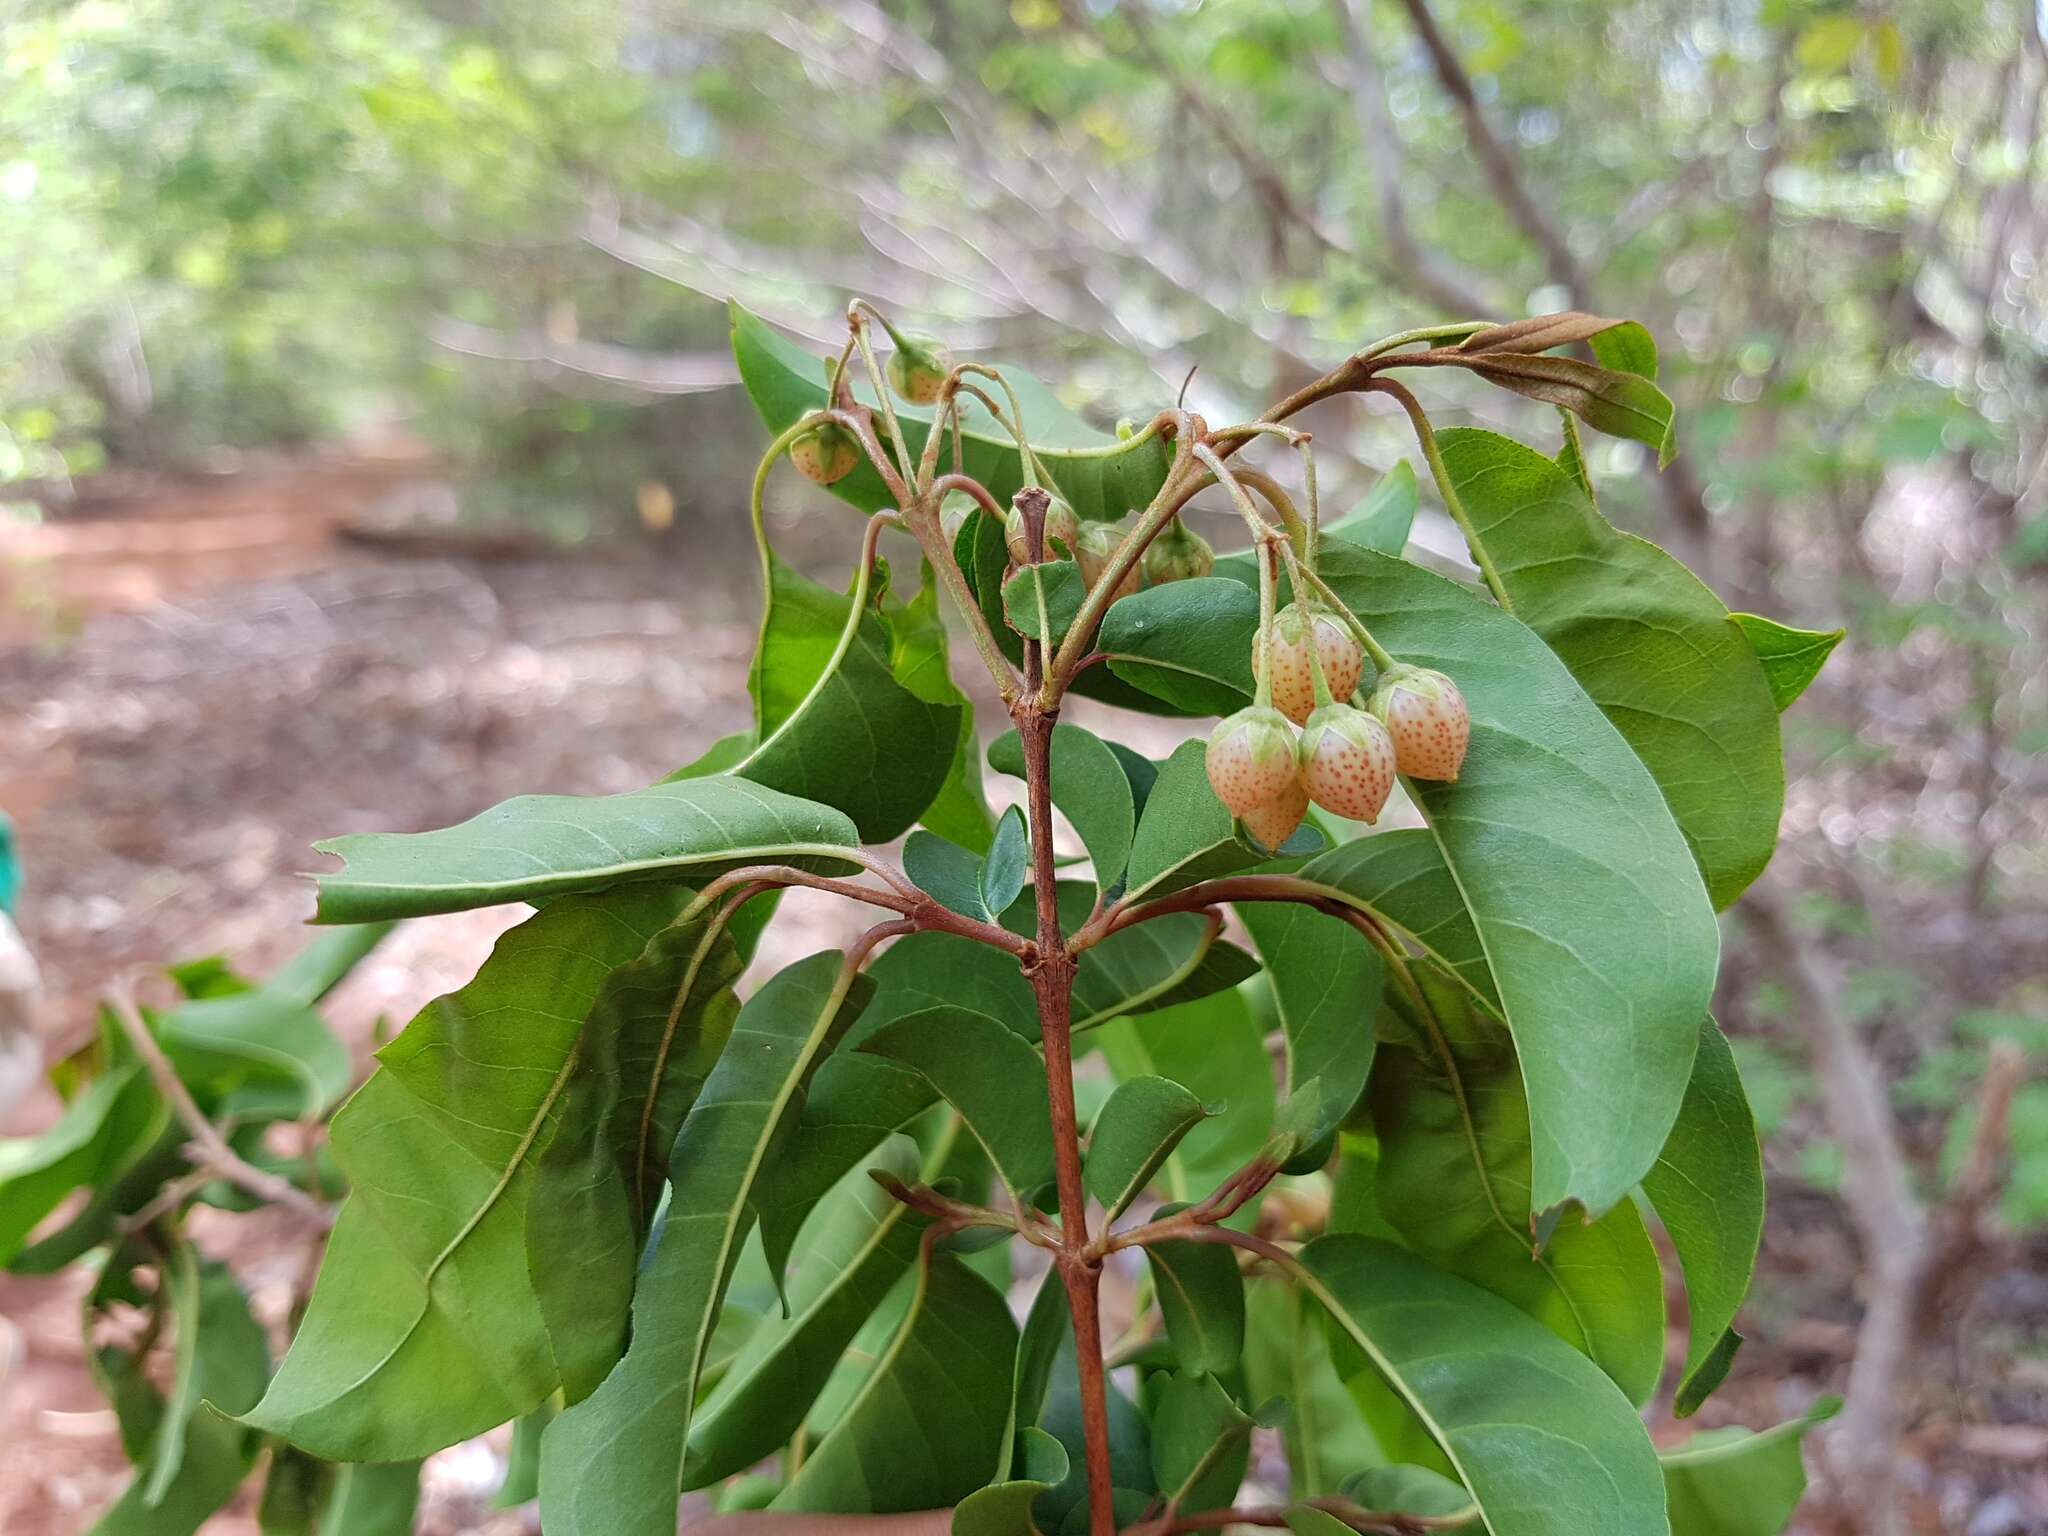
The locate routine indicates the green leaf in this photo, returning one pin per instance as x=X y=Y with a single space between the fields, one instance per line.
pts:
x=229 y=1357
x=321 y=965
x=653 y=1035
x=1201 y=1301
x=257 y=1054
x=1326 y=981
x=522 y=1458
x=1008 y=863
x=1646 y=639
x=1708 y=1190
x=1792 y=658
x=1130 y=1445
x=1453 y=1179
x=1386 y=517
x=535 y=846
x=857 y=1244
x=1134 y=1133
x=1730 y=1482
x=1546 y=1443
x=424 y=1326
x=860 y=1098
x=990 y=1076
x=1213 y=1046
x=1604 y=991
x=1090 y=788
x=835 y=723
x=1042 y=601
x=1004 y=1508
x=373 y=1499
x=1186 y=836
x=1187 y=644
x=1411 y=1490
x=113 y=1118
x=1288 y=1355
x=1101 y=476
x=612 y=1464
x=922 y=663
x=942 y=1387
x=1200 y=1441
x=948 y=873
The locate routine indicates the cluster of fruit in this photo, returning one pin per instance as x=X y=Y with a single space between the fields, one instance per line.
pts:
x=1345 y=758
x=1175 y=554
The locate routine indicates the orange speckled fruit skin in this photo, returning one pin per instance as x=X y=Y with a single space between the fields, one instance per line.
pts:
x=1347 y=762
x=1294 y=630
x=825 y=454
x=1250 y=759
x=1274 y=822
x=1427 y=717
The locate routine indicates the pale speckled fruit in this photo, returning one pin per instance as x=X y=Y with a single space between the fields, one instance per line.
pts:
x=1062 y=532
x=1347 y=762
x=1178 y=554
x=1092 y=550
x=1274 y=822
x=826 y=453
x=918 y=372
x=1426 y=715
x=1251 y=759
x=1295 y=628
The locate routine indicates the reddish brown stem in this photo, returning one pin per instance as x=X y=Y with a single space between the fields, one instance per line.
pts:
x=1051 y=972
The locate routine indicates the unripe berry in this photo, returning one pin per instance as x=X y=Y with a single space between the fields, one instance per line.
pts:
x=826 y=453
x=1178 y=554
x=917 y=369
x=1295 y=629
x=1062 y=528
x=1092 y=552
x=1273 y=823
x=1426 y=715
x=1347 y=762
x=1251 y=759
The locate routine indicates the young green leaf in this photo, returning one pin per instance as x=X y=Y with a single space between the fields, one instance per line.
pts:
x=1603 y=992
x=1792 y=658
x=991 y=1077
x=855 y=1247
x=946 y=872
x=373 y=1499
x=1453 y=1179
x=111 y=1120
x=1213 y=1046
x=1708 y=1190
x=1731 y=1482
x=942 y=1386
x=1091 y=789
x=1042 y=601
x=1186 y=836
x=613 y=1463
x=1200 y=1442
x=1201 y=1301
x=654 y=1033
x=1544 y=1441
x=833 y=720
x=535 y=846
x=1386 y=516
x=1134 y=1133
x=1187 y=645
x=1646 y=639
x=1325 y=981
x=258 y=1054
x=1008 y=863
x=424 y=1326
x=921 y=661
x=229 y=1357
x=1287 y=1354
x=1004 y=1508
x=1101 y=476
